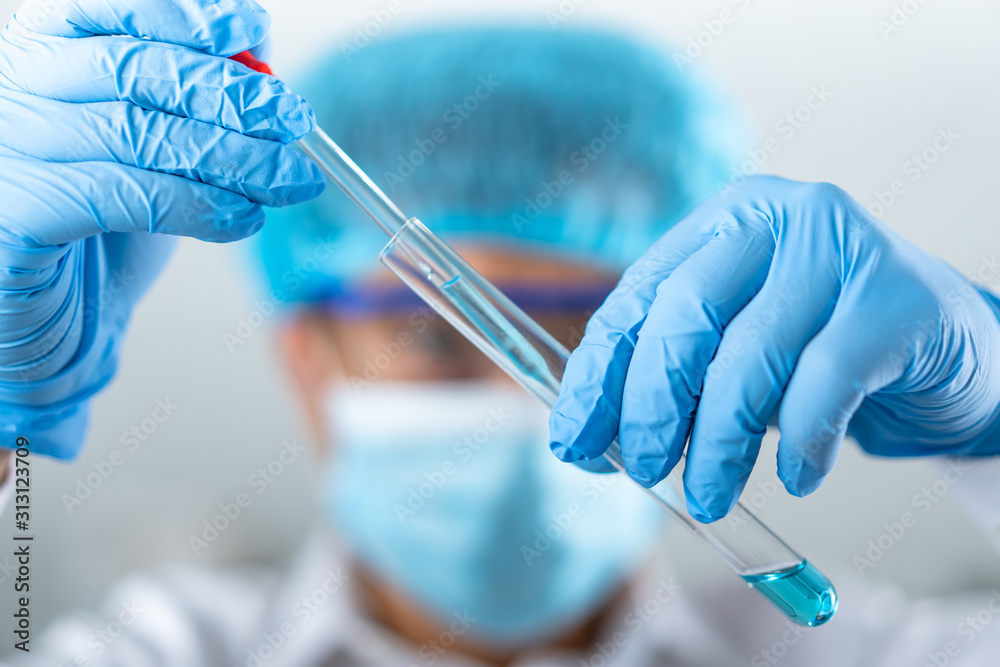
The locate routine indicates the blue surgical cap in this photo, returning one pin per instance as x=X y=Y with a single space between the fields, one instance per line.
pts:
x=582 y=144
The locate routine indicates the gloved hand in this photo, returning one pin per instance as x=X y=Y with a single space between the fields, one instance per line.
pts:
x=786 y=292
x=119 y=117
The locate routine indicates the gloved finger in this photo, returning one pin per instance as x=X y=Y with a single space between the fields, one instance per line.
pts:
x=678 y=340
x=265 y=172
x=156 y=77
x=746 y=379
x=874 y=344
x=72 y=201
x=222 y=28
x=825 y=391
x=584 y=420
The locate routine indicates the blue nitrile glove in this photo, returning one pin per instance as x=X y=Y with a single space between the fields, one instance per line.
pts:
x=790 y=292
x=118 y=117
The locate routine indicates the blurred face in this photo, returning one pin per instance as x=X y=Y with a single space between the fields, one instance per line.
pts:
x=474 y=529
x=388 y=335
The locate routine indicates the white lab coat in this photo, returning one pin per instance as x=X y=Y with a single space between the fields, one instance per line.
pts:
x=309 y=616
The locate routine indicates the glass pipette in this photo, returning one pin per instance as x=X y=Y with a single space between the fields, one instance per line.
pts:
x=532 y=357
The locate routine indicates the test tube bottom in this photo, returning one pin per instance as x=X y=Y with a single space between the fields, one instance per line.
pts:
x=801 y=592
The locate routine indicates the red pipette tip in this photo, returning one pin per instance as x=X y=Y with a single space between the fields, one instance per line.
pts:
x=247 y=59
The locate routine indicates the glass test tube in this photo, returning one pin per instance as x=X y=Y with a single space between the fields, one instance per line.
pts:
x=532 y=357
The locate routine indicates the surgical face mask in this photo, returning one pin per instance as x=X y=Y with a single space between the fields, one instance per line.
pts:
x=448 y=492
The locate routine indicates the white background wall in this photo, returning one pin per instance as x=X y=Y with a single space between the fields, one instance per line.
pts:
x=890 y=95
